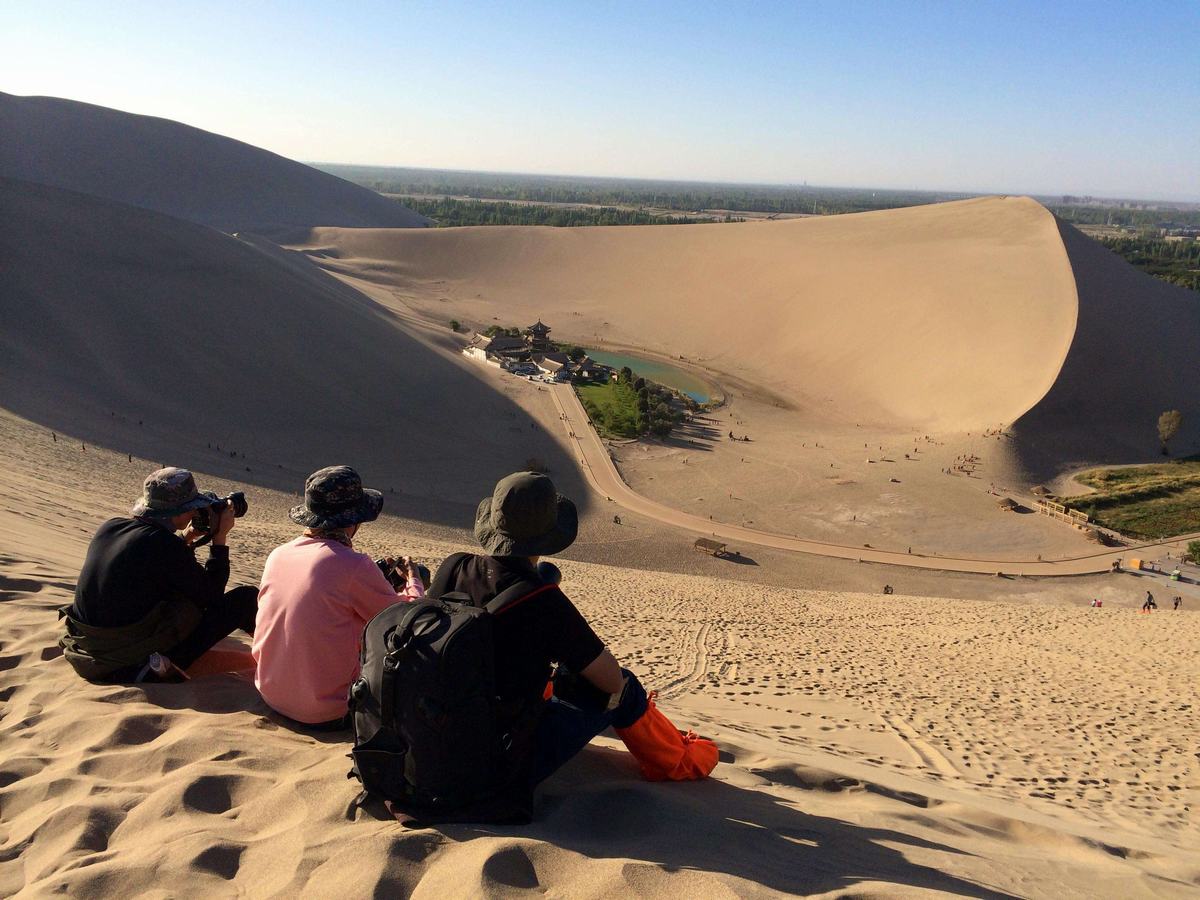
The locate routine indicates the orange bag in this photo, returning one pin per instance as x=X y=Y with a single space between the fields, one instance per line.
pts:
x=665 y=753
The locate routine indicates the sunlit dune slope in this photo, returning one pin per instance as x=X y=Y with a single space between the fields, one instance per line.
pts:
x=167 y=339
x=946 y=317
x=174 y=168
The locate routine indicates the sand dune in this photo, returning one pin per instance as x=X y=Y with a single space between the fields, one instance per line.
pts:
x=952 y=317
x=167 y=339
x=174 y=168
x=874 y=747
x=1132 y=356
x=946 y=317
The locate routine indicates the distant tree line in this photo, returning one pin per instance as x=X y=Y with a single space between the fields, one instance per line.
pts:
x=1177 y=262
x=684 y=196
x=1165 y=218
x=449 y=212
x=693 y=196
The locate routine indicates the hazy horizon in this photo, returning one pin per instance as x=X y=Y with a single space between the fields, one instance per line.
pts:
x=782 y=185
x=1015 y=98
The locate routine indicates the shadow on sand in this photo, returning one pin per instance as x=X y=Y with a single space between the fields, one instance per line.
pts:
x=599 y=808
x=740 y=558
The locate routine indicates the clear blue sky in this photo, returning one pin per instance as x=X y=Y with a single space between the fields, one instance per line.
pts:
x=1039 y=97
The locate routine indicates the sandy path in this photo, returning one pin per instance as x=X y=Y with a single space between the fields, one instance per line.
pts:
x=604 y=478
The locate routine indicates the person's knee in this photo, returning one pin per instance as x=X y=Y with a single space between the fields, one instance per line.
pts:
x=245 y=596
x=243 y=601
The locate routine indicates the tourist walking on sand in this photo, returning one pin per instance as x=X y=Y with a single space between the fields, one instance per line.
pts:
x=1149 y=604
x=1178 y=602
x=317 y=594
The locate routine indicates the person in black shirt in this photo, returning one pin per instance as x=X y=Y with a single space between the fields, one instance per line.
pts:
x=524 y=519
x=142 y=597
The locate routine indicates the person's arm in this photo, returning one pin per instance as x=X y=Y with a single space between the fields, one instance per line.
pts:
x=604 y=673
x=202 y=585
x=370 y=591
x=403 y=567
x=579 y=648
x=414 y=589
x=216 y=568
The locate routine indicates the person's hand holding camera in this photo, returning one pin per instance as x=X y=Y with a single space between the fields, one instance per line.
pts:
x=400 y=571
x=224 y=524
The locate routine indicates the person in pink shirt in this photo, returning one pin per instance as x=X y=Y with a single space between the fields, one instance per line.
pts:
x=317 y=593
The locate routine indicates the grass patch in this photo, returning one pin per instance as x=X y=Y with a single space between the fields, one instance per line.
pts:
x=612 y=407
x=1148 y=502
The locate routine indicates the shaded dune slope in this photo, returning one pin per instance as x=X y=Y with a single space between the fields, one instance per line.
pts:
x=1133 y=355
x=176 y=169
x=169 y=340
x=954 y=316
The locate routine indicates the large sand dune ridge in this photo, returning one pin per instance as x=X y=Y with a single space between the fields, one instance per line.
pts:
x=183 y=171
x=953 y=317
x=947 y=317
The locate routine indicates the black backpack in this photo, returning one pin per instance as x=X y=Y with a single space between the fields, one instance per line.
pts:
x=427 y=721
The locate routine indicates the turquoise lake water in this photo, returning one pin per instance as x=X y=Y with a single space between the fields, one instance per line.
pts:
x=659 y=372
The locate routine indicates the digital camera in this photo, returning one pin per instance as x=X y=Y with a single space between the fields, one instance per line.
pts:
x=205 y=519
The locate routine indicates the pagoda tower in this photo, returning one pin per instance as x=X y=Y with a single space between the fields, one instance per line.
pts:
x=539 y=336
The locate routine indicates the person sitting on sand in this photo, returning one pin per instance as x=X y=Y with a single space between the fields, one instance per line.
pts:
x=144 y=606
x=317 y=593
x=524 y=519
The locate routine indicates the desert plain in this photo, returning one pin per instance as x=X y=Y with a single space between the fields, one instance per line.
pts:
x=966 y=735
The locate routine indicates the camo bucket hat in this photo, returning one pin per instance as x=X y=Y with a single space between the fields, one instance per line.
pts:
x=335 y=498
x=525 y=516
x=169 y=492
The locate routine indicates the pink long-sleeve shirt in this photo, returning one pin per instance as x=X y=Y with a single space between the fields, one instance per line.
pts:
x=316 y=596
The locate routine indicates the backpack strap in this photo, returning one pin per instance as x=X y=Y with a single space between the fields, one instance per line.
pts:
x=445 y=573
x=439 y=588
x=388 y=682
x=516 y=595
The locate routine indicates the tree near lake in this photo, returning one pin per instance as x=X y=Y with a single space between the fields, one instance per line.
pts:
x=1168 y=426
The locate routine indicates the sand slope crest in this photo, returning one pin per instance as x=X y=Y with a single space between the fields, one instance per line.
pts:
x=951 y=317
x=173 y=168
x=946 y=317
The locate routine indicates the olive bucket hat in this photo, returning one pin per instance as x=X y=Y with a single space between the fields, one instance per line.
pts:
x=169 y=492
x=525 y=516
x=335 y=498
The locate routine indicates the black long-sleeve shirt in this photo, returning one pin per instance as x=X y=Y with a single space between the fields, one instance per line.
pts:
x=132 y=565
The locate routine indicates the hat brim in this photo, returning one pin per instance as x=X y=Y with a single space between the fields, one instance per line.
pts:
x=496 y=543
x=141 y=509
x=367 y=510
